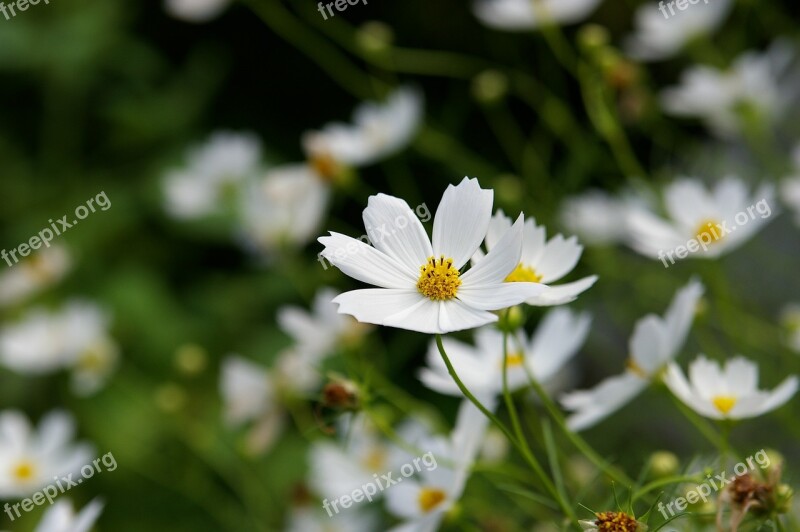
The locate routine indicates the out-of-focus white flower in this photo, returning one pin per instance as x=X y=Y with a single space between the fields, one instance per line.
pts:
x=249 y=394
x=480 y=368
x=521 y=15
x=284 y=208
x=790 y=188
x=320 y=332
x=33 y=274
x=378 y=131
x=75 y=337
x=755 y=92
x=29 y=459
x=790 y=318
x=338 y=469
x=63 y=518
x=421 y=286
x=196 y=11
x=353 y=519
x=422 y=500
x=718 y=220
x=212 y=174
x=655 y=342
x=729 y=393
x=597 y=217
x=542 y=261
x=658 y=37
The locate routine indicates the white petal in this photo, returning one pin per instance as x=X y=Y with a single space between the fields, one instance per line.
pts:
x=604 y=399
x=365 y=263
x=680 y=315
x=781 y=394
x=680 y=387
x=741 y=376
x=457 y=316
x=563 y=293
x=558 y=258
x=648 y=344
x=405 y=309
x=500 y=296
x=558 y=337
x=394 y=229
x=499 y=262
x=498 y=225
x=461 y=221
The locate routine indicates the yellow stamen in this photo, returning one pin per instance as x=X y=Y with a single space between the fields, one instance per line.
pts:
x=616 y=522
x=326 y=166
x=709 y=231
x=724 y=403
x=514 y=360
x=430 y=498
x=24 y=471
x=523 y=274
x=636 y=368
x=438 y=279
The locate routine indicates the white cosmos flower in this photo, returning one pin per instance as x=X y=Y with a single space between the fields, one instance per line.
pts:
x=521 y=15
x=723 y=219
x=657 y=37
x=29 y=458
x=33 y=274
x=320 y=332
x=599 y=218
x=249 y=394
x=755 y=91
x=195 y=10
x=790 y=318
x=423 y=499
x=212 y=174
x=377 y=132
x=542 y=261
x=61 y=517
x=421 y=285
x=558 y=338
x=655 y=342
x=75 y=337
x=285 y=207
x=726 y=393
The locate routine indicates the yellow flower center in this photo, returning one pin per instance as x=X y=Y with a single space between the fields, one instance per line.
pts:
x=438 y=279
x=709 y=231
x=375 y=460
x=523 y=274
x=430 y=498
x=616 y=522
x=23 y=471
x=636 y=368
x=513 y=360
x=724 y=403
x=326 y=166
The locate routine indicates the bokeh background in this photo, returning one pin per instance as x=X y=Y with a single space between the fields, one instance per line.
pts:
x=108 y=96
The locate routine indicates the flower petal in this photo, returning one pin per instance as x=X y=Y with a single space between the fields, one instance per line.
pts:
x=455 y=315
x=499 y=262
x=593 y=405
x=462 y=220
x=394 y=229
x=500 y=296
x=383 y=306
x=563 y=293
x=365 y=263
x=558 y=258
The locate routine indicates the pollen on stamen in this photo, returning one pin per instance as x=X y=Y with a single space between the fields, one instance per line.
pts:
x=430 y=498
x=709 y=231
x=439 y=279
x=523 y=274
x=724 y=403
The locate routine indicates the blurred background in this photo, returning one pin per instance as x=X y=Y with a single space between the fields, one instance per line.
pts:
x=112 y=96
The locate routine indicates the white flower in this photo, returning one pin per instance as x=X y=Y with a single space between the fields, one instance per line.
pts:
x=729 y=393
x=30 y=459
x=75 y=337
x=655 y=342
x=716 y=221
x=320 y=332
x=195 y=10
x=558 y=338
x=790 y=318
x=285 y=207
x=521 y=15
x=353 y=519
x=597 y=217
x=542 y=261
x=62 y=517
x=660 y=37
x=249 y=395
x=421 y=285
x=378 y=131
x=755 y=91
x=33 y=274
x=212 y=173
x=423 y=499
